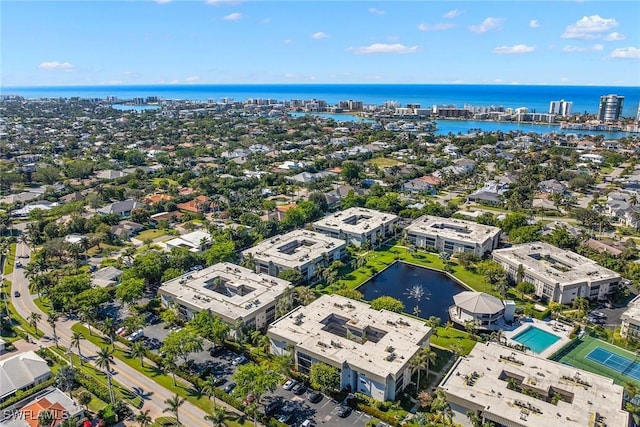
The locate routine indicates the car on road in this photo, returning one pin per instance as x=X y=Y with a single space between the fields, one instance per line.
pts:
x=18 y=264
x=343 y=411
x=16 y=294
x=299 y=388
x=229 y=388
x=290 y=384
x=315 y=397
x=240 y=360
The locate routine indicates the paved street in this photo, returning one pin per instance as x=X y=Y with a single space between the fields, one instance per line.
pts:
x=154 y=394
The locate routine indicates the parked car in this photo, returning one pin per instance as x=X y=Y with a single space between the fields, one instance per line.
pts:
x=271 y=407
x=306 y=423
x=216 y=350
x=136 y=335
x=315 y=397
x=250 y=398
x=285 y=418
x=299 y=388
x=229 y=387
x=290 y=384
x=343 y=411
x=599 y=314
x=242 y=359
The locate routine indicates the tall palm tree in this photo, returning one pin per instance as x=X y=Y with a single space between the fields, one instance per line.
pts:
x=143 y=418
x=65 y=378
x=76 y=338
x=217 y=417
x=45 y=418
x=33 y=319
x=169 y=363
x=104 y=360
x=52 y=318
x=173 y=405
x=209 y=388
x=109 y=326
x=422 y=360
x=138 y=350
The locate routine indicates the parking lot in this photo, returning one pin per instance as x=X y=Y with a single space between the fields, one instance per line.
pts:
x=298 y=406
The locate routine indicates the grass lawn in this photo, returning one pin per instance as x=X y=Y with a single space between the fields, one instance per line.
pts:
x=98 y=376
x=150 y=234
x=104 y=250
x=95 y=405
x=11 y=259
x=43 y=304
x=575 y=354
x=384 y=162
x=182 y=388
x=453 y=340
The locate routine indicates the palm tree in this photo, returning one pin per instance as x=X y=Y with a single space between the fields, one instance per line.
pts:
x=33 y=319
x=109 y=326
x=52 y=318
x=104 y=360
x=169 y=363
x=143 y=418
x=76 y=338
x=173 y=405
x=422 y=360
x=65 y=377
x=138 y=350
x=209 y=388
x=217 y=417
x=520 y=273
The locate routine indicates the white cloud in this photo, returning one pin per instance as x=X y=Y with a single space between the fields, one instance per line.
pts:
x=487 y=25
x=534 y=24
x=192 y=79
x=626 y=53
x=589 y=27
x=375 y=11
x=515 y=49
x=233 y=16
x=453 y=13
x=288 y=41
x=564 y=79
x=384 y=48
x=55 y=65
x=436 y=27
x=572 y=49
x=612 y=37
x=319 y=35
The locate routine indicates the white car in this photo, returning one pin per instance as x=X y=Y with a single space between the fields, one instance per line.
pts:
x=136 y=335
x=289 y=384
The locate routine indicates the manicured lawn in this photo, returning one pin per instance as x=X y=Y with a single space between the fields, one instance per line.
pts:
x=182 y=388
x=150 y=234
x=11 y=259
x=95 y=405
x=452 y=339
x=43 y=304
x=575 y=354
x=384 y=162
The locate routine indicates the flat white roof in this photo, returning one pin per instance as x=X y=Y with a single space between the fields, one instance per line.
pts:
x=226 y=289
x=554 y=265
x=480 y=379
x=294 y=249
x=320 y=329
x=356 y=220
x=453 y=229
x=632 y=313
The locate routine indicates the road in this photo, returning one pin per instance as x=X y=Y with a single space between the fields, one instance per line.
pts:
x=154 y=394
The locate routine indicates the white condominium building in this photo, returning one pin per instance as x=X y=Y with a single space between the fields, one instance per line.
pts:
x=558 y=275
x=510 y=388
x=232 y=292
x=453 y=235
x=358 y=225
x=302 y=250
x=371 y=349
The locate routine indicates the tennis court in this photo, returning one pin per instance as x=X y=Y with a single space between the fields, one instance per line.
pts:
x=616 y=362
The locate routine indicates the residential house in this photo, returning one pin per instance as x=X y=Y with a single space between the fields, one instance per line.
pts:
x=199 y=204
x=486 y=311
x=21 y=372
x=122 y=208
x=52 y=400
x=552 y=186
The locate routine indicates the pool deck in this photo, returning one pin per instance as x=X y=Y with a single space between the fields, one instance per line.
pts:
x=558 y=329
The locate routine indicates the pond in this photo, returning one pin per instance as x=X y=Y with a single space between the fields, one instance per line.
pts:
x=431 y=291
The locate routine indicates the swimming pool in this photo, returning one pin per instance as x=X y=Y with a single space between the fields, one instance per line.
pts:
x=536 y=339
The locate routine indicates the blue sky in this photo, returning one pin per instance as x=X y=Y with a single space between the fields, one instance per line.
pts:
x=217 y=41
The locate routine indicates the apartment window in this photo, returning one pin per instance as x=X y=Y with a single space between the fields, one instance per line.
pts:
x=304 y=363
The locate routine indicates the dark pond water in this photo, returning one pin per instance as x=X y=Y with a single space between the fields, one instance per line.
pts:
x=431 y=291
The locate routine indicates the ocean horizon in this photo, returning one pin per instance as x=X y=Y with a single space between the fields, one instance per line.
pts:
x=534 y=97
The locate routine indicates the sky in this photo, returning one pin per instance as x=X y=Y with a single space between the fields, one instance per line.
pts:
x=126 y=42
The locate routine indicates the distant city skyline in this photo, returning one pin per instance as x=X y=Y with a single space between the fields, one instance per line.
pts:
x=51 y=43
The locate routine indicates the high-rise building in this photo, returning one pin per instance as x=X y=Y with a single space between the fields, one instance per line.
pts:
x=610 y=107
x=561 y=108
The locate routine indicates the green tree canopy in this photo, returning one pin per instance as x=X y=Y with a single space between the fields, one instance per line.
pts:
x=387 y=303
x=324 y=377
